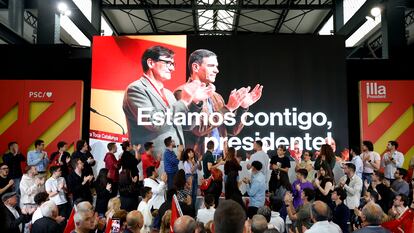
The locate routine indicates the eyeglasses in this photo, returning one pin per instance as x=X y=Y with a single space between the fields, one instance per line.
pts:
x=168 y=63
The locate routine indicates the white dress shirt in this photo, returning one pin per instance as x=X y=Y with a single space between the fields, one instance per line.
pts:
x=391 y=167
x=52 y=185
x=205 y=215
x=158 y=189
x=373 y=156
x=359 y=165
x=353 y=191
x=145 y=210
x=37 y=215
x=324 y=227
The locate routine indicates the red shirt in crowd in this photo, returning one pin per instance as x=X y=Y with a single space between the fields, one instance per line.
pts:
x=148 y=161
x=111 y=163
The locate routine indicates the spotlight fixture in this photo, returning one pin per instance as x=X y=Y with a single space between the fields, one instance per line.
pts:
x=374 y=13
x=63 y=9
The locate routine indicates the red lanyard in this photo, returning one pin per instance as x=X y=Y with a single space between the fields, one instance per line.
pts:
x=161 y=93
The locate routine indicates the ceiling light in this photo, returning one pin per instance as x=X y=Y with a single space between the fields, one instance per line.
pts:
x=375 y=11
x=62 y=7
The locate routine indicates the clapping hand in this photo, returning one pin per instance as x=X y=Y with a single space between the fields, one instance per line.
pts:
x=61 y=186
x=252 y=97
x=366 y=184
x=136 y=147
x=59 y=219
x=196 y=91
x=164 y=177
x=236 y=98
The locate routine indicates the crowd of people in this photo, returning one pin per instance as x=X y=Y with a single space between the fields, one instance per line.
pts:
x=60 y=192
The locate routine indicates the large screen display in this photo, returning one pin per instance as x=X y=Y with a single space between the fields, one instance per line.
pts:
x=288 y=90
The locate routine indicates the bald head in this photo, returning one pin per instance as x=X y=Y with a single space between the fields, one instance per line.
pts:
x=372 y=213
x=259 y=223
x=320 y=211
x=185 y=224
x=135 y=220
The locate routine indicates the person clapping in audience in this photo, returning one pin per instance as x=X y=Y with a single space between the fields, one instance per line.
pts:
x=372 y=216
x=103 y=187
x=51 y=221
x=83 y=153
x=256 y=189
x=129 y=190
x=399 y=207
x=298 y=185
x=79 y=183
x=191 y=166
x=399 y=186
x=56 y=188
x=324 y=184
x=15 y=218
x=300 y=216
x=30 y=185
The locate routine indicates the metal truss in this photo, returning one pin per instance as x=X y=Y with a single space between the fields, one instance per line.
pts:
x=229 y=18
x=217 y=5
x=375 y=44
x=409 y=18
x=30 y=19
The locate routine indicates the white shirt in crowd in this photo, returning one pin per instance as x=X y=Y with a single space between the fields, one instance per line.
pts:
x=28 y=189
x=391 y=167
x=353 y=191
x=205 y=215
x=52 y=185
x=263 y=158
x=324 y=227
x=277 y=222
x=145 y=210
x=373 y=156
x=158 y=189
x=359 y=166
x=37 y=215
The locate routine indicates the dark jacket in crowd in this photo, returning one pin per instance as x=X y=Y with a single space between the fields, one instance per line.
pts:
x=77 y=189
x=12 y=223
x=14 y=163
x=46 y=225
x=87 y=170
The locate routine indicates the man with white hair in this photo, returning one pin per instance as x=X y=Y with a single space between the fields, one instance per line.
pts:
x=85 y=222
x=50 y=221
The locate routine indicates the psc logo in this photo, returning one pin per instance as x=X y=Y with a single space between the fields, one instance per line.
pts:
x=40 y=94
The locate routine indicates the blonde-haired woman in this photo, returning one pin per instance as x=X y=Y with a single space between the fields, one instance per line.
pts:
x=165 y=222
x=114 y=205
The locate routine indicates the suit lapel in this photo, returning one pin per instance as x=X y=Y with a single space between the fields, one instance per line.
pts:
x=152 y=91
